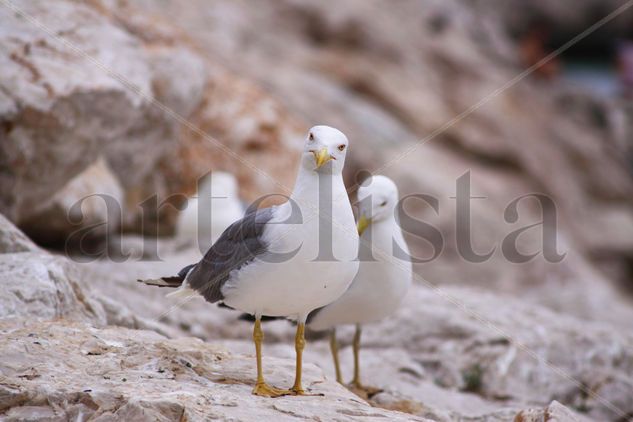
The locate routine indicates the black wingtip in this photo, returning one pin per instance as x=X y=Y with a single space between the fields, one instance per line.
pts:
x=163 y=282
x=264 y=318
x=246 y=317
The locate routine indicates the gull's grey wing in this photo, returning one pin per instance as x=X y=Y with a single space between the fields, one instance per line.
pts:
x=238 y=245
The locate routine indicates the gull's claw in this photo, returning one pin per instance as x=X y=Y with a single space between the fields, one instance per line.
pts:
x=265 y=390
x=364 y=391
x=302 y=392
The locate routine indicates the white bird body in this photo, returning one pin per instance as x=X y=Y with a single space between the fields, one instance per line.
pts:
x=382 y=283
x=303 y=283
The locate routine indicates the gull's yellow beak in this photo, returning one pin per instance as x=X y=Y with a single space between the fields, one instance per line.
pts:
x=321 y=157
x=363 y=223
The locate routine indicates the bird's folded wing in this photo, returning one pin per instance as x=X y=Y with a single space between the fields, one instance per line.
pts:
x=238 y=245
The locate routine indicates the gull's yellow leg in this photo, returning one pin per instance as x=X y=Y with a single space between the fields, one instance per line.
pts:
x=261 y=388
x=356 y=385
x=334 y=348
x=300 y=343
x=356 y=346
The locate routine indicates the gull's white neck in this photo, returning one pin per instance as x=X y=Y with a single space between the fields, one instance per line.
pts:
x=311 y=185
x=382 y=233
x=326 y=214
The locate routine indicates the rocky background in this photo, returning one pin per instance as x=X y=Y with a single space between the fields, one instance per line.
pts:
x=108 y=108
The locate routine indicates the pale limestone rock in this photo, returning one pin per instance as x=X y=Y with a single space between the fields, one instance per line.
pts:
x=57 y=122
x=60 y=120
x=442 y=357
x=179 y=76
x=12 y=240
x=501 y=348
x=554 y=412
x=37 y=285
x=73 y=371
x=94 y=198
x=438 y=357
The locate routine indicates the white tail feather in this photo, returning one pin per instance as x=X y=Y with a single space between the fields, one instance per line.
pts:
x=182 y=292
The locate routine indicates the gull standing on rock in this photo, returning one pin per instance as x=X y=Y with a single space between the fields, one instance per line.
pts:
x=286 y=260
x=381 y=283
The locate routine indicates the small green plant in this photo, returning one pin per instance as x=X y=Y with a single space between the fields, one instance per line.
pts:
x=473 y=379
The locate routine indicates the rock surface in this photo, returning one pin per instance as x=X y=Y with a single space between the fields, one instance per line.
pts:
x=466 y=355
x=447 y=354
x=92 y=199
x=554 y=412
x=73 y=371
x=57 y=364
x=505 y=350
x=37 y=285
x=141 y=98
x=57 y=123
x=433 y=359
x=12 y=239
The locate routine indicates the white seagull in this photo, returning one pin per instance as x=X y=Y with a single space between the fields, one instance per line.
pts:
x=381 y=283
x=286 y=260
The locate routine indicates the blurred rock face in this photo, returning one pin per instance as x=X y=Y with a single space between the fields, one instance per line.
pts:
x=61 y=114
x=90 y=200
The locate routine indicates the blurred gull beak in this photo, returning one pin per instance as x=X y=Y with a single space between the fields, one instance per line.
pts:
x=363 y=223
x=321 y=157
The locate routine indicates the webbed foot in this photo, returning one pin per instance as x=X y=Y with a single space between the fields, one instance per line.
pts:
x=265 y=390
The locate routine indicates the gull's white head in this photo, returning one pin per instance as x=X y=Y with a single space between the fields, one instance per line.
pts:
x=325 y=149
x=377 y=200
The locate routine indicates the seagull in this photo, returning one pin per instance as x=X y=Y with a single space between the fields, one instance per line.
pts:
x=381 y=284
x=286 y=260
x=215 y=207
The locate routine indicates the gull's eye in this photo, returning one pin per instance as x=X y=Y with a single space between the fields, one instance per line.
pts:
x=341 y=147
x=383 y=203
x=311 y=136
